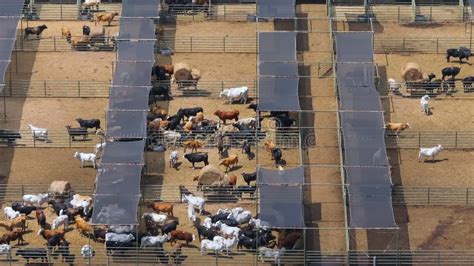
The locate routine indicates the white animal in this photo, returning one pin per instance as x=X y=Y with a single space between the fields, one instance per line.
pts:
x=258 y=224
x=197 y=202
x=171 y=136
x=229 y=243
x=173 y=158
x=98 y=148
x=119 y=237
x=86 y=157
x=424 y=104
x=429 y=152
x=35 y=199
x=87 y=252
x=38 y=132
x=157 y=218
x=152 y=241
x=394 y=86
x=91 y=3
x=10 y=213
x=207 y=222
x=228 y=230
x=264 y=253
x=219 y=211
x=236 y=94
x=121 y=229
x=191 y=213
x=240 y=218
x=235 y=211
x=216 y=245
x=250 y=122
x=60 y=220
x=6 y=250
x=81 y=201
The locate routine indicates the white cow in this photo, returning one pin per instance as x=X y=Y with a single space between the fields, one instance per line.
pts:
x=207 y=222
x=10 y=213
x=119 y=237
x=6 y=250
x=236 y=94
x=429 y=152
x=228 y=230
x=86 y=157
x=197 y=202
x=98 y=148
x=249 y=122
x=265 y=253
x=171 y=136
x=155 y=217
x=229 y=243
x=152 y=241
x=173 y=158
x=36 y=199
x=60 y=220
x=216 y=245
x=38 y=132
x=81 y=201
x=191 y=213
x=91 y=3
x=121 y=229
x=394 y=85
x=258 y=224
x=424 y=104
x=87 y=252
x=240 y=218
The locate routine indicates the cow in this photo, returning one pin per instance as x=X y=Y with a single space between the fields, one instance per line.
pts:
x=197 y=157
x=34 y=30
x=91 y=123
x=460 y=53
x=181 y=235
x=450 y=71
x=227 y=115
x=236 y=94
x=249 y=177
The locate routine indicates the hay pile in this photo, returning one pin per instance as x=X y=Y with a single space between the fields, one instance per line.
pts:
x=210 y=175
x=412 y=72
x=58 y=188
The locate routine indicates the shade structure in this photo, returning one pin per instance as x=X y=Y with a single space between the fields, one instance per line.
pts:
x=11 y=8
x=3 y=69
x=471 y=2
x=279 y=46
x=355 y=74
x=6 y=47
x=126 y=124
x=278 y=69
x=129 y=98
x=370 y=207
x=275 y=177
x=132 y=73
x=359 y=120
x=8 y=25
x=278 y=94
x=118 y=179
x=276 y=8
x=115 y=209
x=281 y=206
x=136 y=28
x=135 y=50
x=123 y=152
x=140 y=8
x=361 y=176
x=354 y=46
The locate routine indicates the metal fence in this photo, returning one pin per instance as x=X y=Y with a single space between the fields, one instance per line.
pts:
x=422 y=196
x=60 y=44
x=418 y=139
x=421 y=45
x=206 y=44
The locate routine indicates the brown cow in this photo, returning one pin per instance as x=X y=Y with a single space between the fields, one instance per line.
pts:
x=288 y=240
x=232 y=180
x=16 y=234
x=193 y=144
x=162 y=207
x=47 y=234
x=181 y=235
x=20 y=222
x=106 y=17
x=168 y=68
x=230 y=162
x=227 y=115
x=41 y=218
x=84 y=228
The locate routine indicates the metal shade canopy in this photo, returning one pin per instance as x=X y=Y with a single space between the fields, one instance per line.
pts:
x=123 y=152
x=11 y=8
x=278 y=94
x=279 y=46
x=135 y=51
x=118 y=179
x=278 y=69
x=129 y=98
x=275 y=177
x=132 y=73
x=136 y=28
x=281 y=206
x=354 y=46
x=140 y=8
x=115 y=209
x=276 y=8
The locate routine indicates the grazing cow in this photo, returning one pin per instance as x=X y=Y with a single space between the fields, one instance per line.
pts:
x=91 y=123
x=162 y=207
x=197 y=157
x=185 y=78
x=232 y=180
x=34 y=30
x=173 y=159
x=230 y=162
x=229 y=243
x=66 y=255
x=227 y=115
x=84 y=228
x=219 y=217
x=253 y=106
x=36 y=199
x=258 y=224
x=167 y=228
x=250 y=123
x=450 y=71
x=159 y=73
x=160 y=91
x=264 y=253
x=91 y=3
x=38 y=132
x=41 y=219
x=111 y=246
x=249 y=177
x=397 y=127
x=181 y=235
x=86 y=30
x=193 y=144
x=58 y=206
x=121 y=229
x=9 y=213
x=153 y=241
x=60 y=220
x=460 y=53
x=86 y=157
x=66 y=33
x=236 y=94
x=240 y=218
x=54 y=241
x=105 y=17
x=429 y=152
x=33 y=254
x=16 y=234
x=197 y=202
x=284 y=122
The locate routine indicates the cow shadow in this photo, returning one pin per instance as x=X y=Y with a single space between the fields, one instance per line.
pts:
x=235 y=168
x=177 y=165
x=436 y=160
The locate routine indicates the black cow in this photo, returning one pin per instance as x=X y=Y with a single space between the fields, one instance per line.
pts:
x=284 y=121
x=112 y=246
x=450 y=71
x=174 y=121
x=276 y=155
x=219 y=217
x=160 y=91
x=159 y=73
x=246 y=149
x=169 y=227
x=34 y=30
x=91 y=123
x=197 y=158
x=99 y=233
x=249 y=177
x=54 y=241
x=86 y=30
x=279 y=113
x=460 y=53
x=206 y=233
x=65 y=252
x=187 y=112
x=27 y=210
x=253 y=106
x=467 y=82
x=58 y=206
x=33 y=253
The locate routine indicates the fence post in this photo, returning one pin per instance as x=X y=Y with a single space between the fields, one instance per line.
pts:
x=429 y=196
x=54 y=43
x=34 y=139
x=44 y=87
x=191 y=43
x=403 y=43
x=431 y=13
x=225 y=12
x=224 y=43
x=437 y=45
x=456 y=140
x=398 y=14
x=419 y=139
x=467 y=196
x=79 y=88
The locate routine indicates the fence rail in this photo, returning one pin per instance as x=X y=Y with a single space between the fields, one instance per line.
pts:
x=415 y=44
x=432 y=196
x=418 y=139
